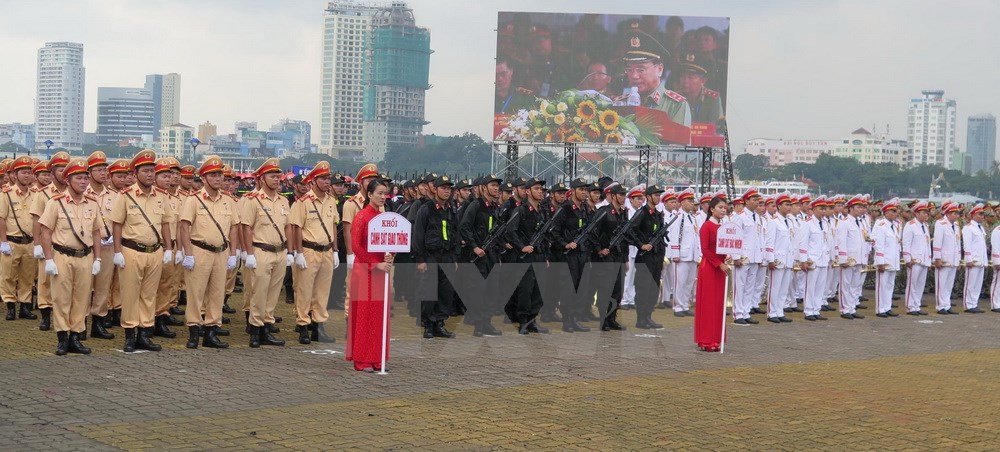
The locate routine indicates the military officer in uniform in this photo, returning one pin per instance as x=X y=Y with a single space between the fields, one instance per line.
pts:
x=70 y=225
x=947 y=255
x=313 y=222
x=436 y=242
x=17 y=265
x=264 y=214
x=976 y=256
x=527 y=300
x=644 y=70
x=101 y=190
x=649 y=258
x=576 y=294
x=56 y=166
x=695 y=70
x=916 y=247
x=208 y=220
x=141 y=218
x=229 y=186
x=167 y=289
x=118 y=172
x=613 y=255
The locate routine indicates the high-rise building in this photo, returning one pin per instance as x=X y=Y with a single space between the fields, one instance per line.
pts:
x=124 y=113
x=175 y=141
x=931 y=130
x=166 y=91
x=21 y=134
x=346 y=24
x=395 y=81
x=299 y=131
x=206 y=131
x=981 y=142
x=59 y=97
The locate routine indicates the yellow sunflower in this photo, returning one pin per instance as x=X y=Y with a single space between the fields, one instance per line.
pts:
x=609 y=119
x=613 y=137
x=592 y=130
x=574 y=138
x=586 y=110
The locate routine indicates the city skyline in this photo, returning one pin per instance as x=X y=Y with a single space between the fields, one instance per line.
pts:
x=798 y=69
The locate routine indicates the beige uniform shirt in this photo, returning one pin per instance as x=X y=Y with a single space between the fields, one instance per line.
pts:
x=14 y=208
x=84 y=217
x=203 y=229
x=105 y=202
x=41 y=197
x=125 y=211
x=306 y=214
x=266 y=217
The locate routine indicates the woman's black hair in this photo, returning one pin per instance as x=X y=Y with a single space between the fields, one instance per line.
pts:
x=714 y=202
x=372 y=185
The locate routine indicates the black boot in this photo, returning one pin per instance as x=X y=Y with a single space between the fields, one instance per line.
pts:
x=143 y=342
x=428 y=330
x=176 y=311
x=219 y=331
x=567 y=323
x=211 y=339
x=75 y=346
x=304 y=332
x=46 y=323
x=26 y=312
x=267 y=339
x=534 y=328
x=247 y=315
x=225 y=306
x=129 y=346
x=160 y=327
x=182 y=298
x=194 y=334
x=63 y=346
x=170 y=320
x=116 y=319
x=273 y=328
x=577 y=326
x=254 y=336
x=319 y=334
x=441 y=331
x=487 y=329
x=522 y=328
x=11 y=311
x=97 y=328
x=109 y=319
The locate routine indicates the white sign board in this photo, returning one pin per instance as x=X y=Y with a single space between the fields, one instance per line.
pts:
x=729 y=239
x=389 y=232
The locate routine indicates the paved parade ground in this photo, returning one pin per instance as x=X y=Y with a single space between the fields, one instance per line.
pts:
x=926 y=382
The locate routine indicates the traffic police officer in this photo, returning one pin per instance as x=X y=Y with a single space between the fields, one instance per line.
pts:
x=17 y=266
x=264 y=213
x=56 y=166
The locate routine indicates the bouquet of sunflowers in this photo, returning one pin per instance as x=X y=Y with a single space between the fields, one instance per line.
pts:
x=575 y=116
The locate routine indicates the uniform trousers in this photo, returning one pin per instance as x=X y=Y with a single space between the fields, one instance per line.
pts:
x=609 y=296
x=44 y=295
x=312 y=287
x=833 y=282
x=576 y=293
x=266 y=280
x=668 y=281
x=814 y=289
x=758 y=291
x=777 y=291
x=684 y=276
x=433 y=281
x=19 y=270
x=916 y=280
x=549 y=283
x=848 y=296
x=973 y=286
x=137 y=284
x=485 y=303
x=206 y=288
x=71 y=292
x=101 y=301
x=744 y=283
x=628 y=289
x=168 y=288
x=884 y=284
x=647 y=289
x=944 y=281
x=994 y=300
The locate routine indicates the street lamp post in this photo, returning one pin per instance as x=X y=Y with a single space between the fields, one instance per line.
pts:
x=48 y=149
x=194 y=147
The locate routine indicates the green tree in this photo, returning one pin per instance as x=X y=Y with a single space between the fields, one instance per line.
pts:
x=751 y=167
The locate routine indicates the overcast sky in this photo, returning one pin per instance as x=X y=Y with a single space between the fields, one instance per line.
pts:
x=798 y=68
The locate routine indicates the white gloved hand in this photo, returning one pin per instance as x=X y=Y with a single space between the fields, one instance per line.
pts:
x=119 y=260
x=5 y=248
x=300 y=260
x=168 y=257
x=50 y=267
x=231 y=263
x=188 y=262
x=250 y=261
x=178 y=257
x=241 y=255
x=39 y=254
x=336 y=261
x=108 y=241
x=350 y=261
x=289 y=259
x=96 y=268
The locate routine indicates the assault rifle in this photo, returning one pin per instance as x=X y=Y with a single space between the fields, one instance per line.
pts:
x=497 y=234
x=658 y=235
x=588 y=230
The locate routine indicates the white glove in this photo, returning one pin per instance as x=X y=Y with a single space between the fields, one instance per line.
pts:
x=108 y=241
x=289 y=259
x=178 y=257
x=5 y=248
x=241 y=255
x=350 y=261
x=168 y=257
x=50 y=267
x=96 y=268
x=231 y=263
x=188 y=262
x=250 y=261
x=39 y=254
x=336 y=260
x=119 y=260
x=300 y=260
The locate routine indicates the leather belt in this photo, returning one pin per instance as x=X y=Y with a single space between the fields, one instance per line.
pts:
x=270 y=248
x=19 y=239
x=71 y=252
x=140 y=247
x=207 y=247
x=316 y=246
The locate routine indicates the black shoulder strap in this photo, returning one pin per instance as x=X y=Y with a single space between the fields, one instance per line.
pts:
x=70 y=221
x=321 y=222
x=280 y=235
x=148 y=221
x=225 y=241
x=16 y=221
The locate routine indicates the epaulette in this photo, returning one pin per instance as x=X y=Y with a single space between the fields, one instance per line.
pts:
x=675 y=96
x=711 y=93
x=250 y=195
x=123 y=191
x=7 y=189
x=525 y=91
x=90 y=197
x=235 y=198
x=59 y=196
x=161 y=190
